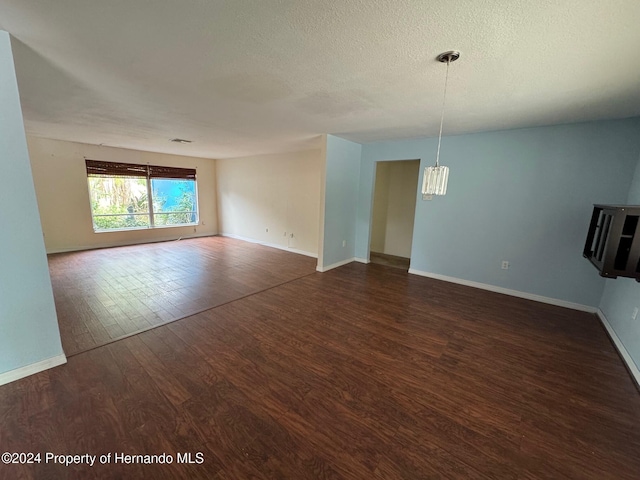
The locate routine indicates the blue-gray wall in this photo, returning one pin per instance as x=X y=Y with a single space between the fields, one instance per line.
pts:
x=622 y=295
x=341 y=196
x=519 y=195
x=28 y=323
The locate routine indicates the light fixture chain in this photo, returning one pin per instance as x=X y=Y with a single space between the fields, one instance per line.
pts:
x=444 y=98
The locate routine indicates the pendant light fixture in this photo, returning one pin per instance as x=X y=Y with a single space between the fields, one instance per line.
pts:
x=435 y=178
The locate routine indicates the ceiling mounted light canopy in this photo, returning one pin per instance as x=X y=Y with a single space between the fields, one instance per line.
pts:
x=436 y=178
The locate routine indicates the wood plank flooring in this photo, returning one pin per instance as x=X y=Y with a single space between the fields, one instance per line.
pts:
x=103 y=295
x=362 y=372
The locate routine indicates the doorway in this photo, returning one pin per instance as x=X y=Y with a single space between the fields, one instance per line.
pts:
x=394 y=206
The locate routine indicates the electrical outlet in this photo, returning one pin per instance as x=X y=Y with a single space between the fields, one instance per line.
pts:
x=427 y=197
x=634 y=315
x=505 y=265
x=344 y=243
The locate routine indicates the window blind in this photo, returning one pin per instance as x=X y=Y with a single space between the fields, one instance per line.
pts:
x=98 y=168
x=172 y=172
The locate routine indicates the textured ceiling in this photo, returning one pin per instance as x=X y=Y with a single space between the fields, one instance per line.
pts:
x=242 y=77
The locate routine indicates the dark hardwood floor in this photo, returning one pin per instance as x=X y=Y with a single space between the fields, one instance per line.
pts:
x=358 y=373
x=107 y=294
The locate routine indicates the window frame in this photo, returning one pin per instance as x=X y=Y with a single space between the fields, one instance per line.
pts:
x=148 y=172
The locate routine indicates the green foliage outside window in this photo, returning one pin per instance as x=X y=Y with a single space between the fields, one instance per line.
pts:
x=121 y=202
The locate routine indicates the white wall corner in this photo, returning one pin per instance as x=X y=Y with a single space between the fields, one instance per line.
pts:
x=27 y=370
x=622 y=351
x=323 y=193
x=361 y=260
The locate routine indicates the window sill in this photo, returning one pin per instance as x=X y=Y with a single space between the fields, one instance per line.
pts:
x=135 y=229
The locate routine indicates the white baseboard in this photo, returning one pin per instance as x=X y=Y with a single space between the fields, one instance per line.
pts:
x=631 y=365
x=334 y=265
x=361 y=260
x=272 y=245
x=507 y=291
x=79 y=248
x=18 y=373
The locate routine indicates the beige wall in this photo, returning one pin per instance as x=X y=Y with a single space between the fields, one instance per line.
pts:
x=60 y=179
x=394 y=205
x=267 y=198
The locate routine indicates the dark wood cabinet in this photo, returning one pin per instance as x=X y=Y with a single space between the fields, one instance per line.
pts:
x=613 y=240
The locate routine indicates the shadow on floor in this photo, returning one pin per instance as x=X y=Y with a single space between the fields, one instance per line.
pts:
x=390 y=260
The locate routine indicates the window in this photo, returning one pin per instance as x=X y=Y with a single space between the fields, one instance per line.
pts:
x=128 y=196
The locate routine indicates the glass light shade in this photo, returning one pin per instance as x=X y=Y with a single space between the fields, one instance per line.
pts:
x=435 y=180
